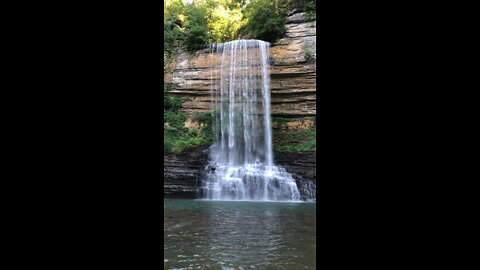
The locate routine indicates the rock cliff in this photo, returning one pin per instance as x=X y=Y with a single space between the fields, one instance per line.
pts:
x=183 y=173
x=293 y=97
x=302 y=166
x=292 y=70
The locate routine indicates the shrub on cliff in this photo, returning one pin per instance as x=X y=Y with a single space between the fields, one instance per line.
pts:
x=308 y=6
x=167 y=144
x=170 y=103
x=176 y=136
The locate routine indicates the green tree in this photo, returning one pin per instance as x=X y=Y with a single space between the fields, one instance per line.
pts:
x=196 y=35
x=265 y=20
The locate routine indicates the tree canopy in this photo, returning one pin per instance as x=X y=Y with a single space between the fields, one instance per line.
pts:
x=191 y=24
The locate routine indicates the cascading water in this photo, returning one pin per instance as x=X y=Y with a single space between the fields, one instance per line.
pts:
x=241 y=158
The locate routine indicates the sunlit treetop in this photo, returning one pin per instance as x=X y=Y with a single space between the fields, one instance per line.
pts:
x=192 y=24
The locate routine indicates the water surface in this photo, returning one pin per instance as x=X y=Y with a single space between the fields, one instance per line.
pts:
x=204 y=234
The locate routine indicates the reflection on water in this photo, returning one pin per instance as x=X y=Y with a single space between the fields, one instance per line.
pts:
x=201 y=234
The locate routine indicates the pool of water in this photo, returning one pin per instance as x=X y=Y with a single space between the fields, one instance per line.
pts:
x=202 y=234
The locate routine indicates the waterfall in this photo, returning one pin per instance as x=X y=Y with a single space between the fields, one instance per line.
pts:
x=241 y=159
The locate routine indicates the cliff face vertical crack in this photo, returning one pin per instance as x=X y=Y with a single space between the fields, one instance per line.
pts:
x=241 y=163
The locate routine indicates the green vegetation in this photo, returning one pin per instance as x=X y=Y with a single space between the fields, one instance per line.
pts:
x=308 y=6
x=308 y=53
x=203 y=118
x=191 y=25
x=170 y=103
x=185 y=26
x=280 y=119
x=302 y=140
x=224 y=20
x=265 y=20
x=176 y=136
x=308 y=146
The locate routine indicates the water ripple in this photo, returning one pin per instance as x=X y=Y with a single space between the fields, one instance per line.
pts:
x=241 y=235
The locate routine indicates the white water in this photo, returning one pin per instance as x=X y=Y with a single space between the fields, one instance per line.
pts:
x=241 y=158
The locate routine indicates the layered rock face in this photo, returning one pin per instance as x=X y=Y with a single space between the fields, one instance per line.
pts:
x=302 y=166
x=183 y=173
x=292 y=71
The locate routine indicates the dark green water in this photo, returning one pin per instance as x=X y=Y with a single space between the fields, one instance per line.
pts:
x=202 y=234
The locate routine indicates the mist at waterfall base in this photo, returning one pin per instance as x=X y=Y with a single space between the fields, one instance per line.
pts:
x=241 y=158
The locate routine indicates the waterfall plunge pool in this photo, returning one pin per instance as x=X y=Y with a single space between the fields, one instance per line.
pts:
x=210 y=234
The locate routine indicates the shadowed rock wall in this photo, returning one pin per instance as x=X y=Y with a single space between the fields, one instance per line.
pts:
x=183 y=174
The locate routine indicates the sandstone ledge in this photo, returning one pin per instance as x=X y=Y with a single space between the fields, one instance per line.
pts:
x=292 y=71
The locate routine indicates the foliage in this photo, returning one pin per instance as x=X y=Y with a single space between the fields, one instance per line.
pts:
x=280 y=119
x=265 y=20
x=196 y=36
x=173 y=36
x=174 y=122
x=297 y=135
x=205 y=117
x=176 y=142
x=308 y=146
x=176 y=135
x=186 y=142
x=224 y=25
x=304 y=140
x=308 y=53
x=185 y=26
x=191 y=26
x=308 y=6
x=167 y=144
x=170 y=103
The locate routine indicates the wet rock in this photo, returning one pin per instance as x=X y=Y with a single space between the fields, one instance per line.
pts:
x=303 y=167
x=183 y=173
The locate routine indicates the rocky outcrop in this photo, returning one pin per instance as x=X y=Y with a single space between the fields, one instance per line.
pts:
x=292 y=71
x=302 y=166
x=183 y=173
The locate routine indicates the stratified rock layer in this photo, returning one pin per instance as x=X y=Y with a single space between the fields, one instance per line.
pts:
x=292 y=71
x=300 y=165
x=183 y=173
